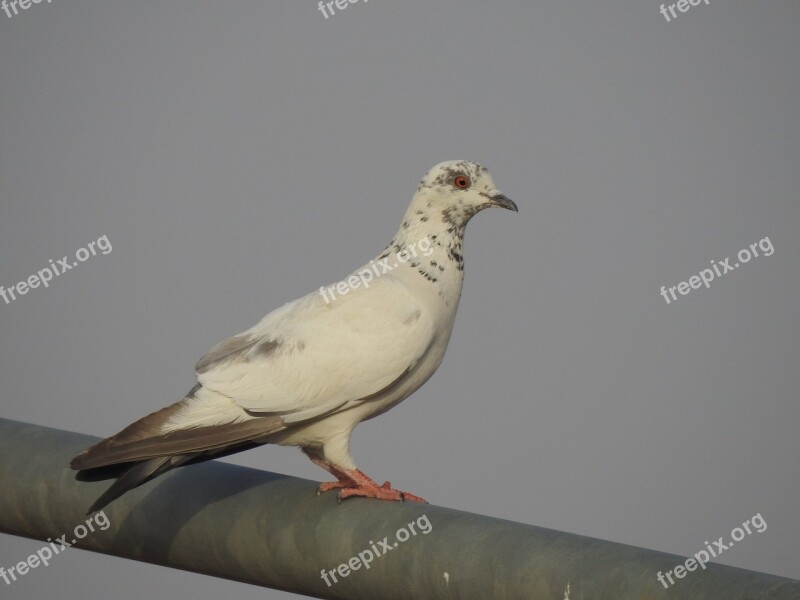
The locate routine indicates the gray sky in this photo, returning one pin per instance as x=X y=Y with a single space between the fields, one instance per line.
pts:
x=238 y=155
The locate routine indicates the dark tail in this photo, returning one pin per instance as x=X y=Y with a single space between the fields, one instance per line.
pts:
x=132 y=475
x=136 y=475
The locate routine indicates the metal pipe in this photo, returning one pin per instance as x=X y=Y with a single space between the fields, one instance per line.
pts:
x=272 y=530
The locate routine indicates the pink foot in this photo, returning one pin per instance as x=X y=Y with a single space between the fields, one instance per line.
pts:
x=361 y=485
x=331 y=485
x=355 y=483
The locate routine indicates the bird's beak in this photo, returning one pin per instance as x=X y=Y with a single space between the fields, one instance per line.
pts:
x=497 y=198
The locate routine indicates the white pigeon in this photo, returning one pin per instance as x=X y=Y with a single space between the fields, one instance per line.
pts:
x=316 y=367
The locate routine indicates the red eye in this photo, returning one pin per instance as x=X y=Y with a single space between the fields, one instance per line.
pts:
x=461 y=182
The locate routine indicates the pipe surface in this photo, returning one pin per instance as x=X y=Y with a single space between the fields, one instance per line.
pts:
x=272 y=530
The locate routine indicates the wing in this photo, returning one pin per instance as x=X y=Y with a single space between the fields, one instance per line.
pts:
x=311 y=357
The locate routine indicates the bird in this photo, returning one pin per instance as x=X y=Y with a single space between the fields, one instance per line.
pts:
x=314 y=368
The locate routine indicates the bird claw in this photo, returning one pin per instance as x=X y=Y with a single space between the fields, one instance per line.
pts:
x=413 y=498
x=328 y=486
x=355 y=483
x=383 y=492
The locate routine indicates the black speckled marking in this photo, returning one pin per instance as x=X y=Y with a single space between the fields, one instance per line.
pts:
x=447 y=241
x=427 y=275
x=447 y=174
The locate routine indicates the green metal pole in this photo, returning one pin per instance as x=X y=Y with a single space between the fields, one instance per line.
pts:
x=272 y=530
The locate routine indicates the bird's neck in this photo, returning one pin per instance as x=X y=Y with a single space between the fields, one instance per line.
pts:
x=431 y=250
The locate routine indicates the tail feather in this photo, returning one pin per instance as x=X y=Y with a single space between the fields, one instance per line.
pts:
x=132 y=475
x=135 y=476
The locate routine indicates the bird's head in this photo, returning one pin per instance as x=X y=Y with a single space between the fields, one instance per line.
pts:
x=455 y=191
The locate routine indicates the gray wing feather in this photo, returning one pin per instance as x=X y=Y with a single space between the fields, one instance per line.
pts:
x=241 y=348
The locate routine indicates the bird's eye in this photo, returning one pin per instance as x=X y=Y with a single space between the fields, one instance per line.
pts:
x=461 y=182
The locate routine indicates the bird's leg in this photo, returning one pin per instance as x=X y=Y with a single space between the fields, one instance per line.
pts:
x=343 y=479
x=367 y=488
x=354 y=482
